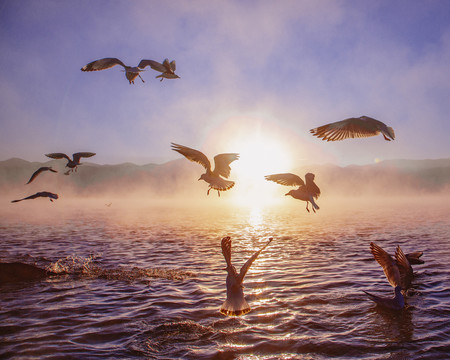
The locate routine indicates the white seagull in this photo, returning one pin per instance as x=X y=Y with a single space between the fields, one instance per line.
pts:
x=167 y=69
x=221 y=167
x=38 y=171
x=71 y=164
x=235 y=304
x=398 y=272
x=363 y=126
x=306 y=192
x=131 y=73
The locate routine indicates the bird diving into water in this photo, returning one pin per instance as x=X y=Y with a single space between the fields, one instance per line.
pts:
x=306 y=192
x=132 y=73
x=235 y=304
x=221 y=167
x=50 y=195
x=363 y=126
x=71 y=164
x=167 y=69
x=398 y=272
x=38 y=171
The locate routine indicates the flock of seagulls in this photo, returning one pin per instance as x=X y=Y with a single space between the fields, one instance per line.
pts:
x=397 y=270
x=167 y=69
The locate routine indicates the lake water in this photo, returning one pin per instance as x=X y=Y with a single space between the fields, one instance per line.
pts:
x=148 y=281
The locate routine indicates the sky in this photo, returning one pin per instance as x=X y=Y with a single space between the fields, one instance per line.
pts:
x=255 y=77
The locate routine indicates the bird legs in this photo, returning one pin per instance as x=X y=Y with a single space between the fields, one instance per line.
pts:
x=140 y=78
x=311 y=206
x=218 y=192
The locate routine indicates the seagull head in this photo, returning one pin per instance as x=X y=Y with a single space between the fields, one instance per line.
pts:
x=203 y=177
x=289 y=193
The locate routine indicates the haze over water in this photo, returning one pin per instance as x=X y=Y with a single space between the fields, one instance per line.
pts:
x=147 y=281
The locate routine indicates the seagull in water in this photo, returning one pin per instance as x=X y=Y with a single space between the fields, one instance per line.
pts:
x=221 y=167
x=38 y=171
x=50 y=195
x=306 y=192
x=398 y=272
x=167 y=69
x=363 y=126
x=235 y=304
x=71 y=164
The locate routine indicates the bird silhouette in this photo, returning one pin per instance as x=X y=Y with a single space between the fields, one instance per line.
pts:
x=235 y=304
x=71 y=164
x=363 y=126
x=38 y=171
x=221 y=167
x=398 y=272
x=306 y=192
x=131 y=73
x=50 y=195
x=167 y=69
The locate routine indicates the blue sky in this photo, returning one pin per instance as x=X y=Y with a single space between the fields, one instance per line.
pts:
x=252 y=72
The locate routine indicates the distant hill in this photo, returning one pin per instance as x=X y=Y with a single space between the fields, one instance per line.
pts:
x=386 y=178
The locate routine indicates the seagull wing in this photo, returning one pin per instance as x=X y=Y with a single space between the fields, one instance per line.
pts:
x=38 y=171
x=404 y=268
x=363 y=126
x=153 y=64
x=193 y=155
x=173 y=65
x=414 y=258
x=167 y=66
x=249 y=262
x=103 y=64
x=226 y=250
x=387 y=263
x=287 y=179
x=77 y=156
x=58 y=156
x=222 y=164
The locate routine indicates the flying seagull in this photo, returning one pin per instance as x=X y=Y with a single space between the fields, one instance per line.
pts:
x=363 y=126
x=235 y=304
x=38 y=171
x=72 y=164
x=306 y=192
x=167 y=69
x=398 y=272
x=131 y=73
x=50 y=195
x=221 y=167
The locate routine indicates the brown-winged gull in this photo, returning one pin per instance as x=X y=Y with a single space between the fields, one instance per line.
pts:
x=398 y=272
x=50 y=195
x=167 y=69
x=306 y=192
x=235 y=304
x=131 y=73
x=363 y=126
x=38 y=171
x=71 y=164
x=221 y=167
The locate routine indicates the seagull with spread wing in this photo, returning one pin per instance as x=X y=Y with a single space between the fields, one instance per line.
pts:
x=38 y=171
x=235 y=304
x=221 y=167
x=71 y=164
x=306 y=192
x=50 y=196
x=398 y=272
x=131 y=73
x=167 y=69
x=363 y=126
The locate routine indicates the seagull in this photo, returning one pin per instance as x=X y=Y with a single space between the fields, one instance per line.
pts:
x=221 y=167
x=235 y=304
x=72 y=164
x=167 y=68
x=38 y=171
x=39 y=194
x=363 y=126
x=131 y=73
x=398 y=272
x=306 y=192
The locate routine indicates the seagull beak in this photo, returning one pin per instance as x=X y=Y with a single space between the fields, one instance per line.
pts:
x=286 y=194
